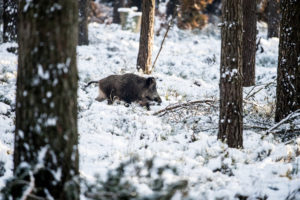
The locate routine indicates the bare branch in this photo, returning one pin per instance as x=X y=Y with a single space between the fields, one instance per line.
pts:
x=254 y=93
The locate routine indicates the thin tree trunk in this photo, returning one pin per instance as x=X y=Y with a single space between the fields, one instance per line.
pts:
x=249 y=42
x=146 y=36
x=231 y=117
x=46 y=136
x=116 y=15
x=273 y=18
x=10 y=13
x=83 y=36
x=288 y=73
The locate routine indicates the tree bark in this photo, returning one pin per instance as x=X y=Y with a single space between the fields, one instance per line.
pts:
x=46 y=136
x=273 y=18
x=116 y=15
x=231 y=118
x=288 y=72
x=83 y=36
x=10 y=14
x=146 y=36
x=249 y=42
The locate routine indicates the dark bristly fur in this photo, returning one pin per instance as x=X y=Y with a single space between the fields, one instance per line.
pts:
x=129 y=88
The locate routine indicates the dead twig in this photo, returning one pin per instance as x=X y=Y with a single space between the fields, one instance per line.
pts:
x=254 y=93
x=252 y=103
x=174 y=106
x=162 y=43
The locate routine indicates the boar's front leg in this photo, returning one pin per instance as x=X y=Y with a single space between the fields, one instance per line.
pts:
x=144 y=102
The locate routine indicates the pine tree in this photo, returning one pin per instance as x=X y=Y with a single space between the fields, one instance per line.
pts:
x=10 y=14
x=249 y=42
x=231 y=117
x=288 y=73
x=146 y=36
x=273 y=18
x=46 y=139
x=83 y=36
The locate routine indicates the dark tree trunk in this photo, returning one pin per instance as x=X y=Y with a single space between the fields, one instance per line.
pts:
x=10 y=14
x=288 y=73
x=172 y=6
x=136 y=3
x=116 y=15
x=249 y=42
x=273 y=18
x=231 y=117
x=83 y=36
x=46 y=105
x=146 y=36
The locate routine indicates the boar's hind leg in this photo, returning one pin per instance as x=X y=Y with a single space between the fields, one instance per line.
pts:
x=101 y=96
x=112 y=97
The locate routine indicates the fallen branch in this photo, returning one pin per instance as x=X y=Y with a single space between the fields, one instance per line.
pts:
x=174 y=106
x=287 y=118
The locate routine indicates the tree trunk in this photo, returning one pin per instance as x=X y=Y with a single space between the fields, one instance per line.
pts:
x=136 y=3
x=83 y=36
x=10 y=14
x=46 y=136
x=146 y=36
x=116 y=15
x=249 y=42
x=288 y=73
x=231 y=117
x=273 y=18
x=171 y=8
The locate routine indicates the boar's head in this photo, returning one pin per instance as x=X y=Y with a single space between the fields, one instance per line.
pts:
x=150 y=91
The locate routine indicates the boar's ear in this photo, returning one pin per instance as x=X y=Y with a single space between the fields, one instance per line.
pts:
x=150 y=81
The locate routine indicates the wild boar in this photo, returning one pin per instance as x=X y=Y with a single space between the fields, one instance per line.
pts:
x=129 y=88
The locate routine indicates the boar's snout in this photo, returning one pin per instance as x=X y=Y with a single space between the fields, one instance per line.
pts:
x=157 y=99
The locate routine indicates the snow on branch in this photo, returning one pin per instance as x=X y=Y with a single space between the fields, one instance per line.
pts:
x=286 y=119
x=174 y=106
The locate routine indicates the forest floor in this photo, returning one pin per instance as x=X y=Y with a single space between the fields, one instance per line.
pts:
x=186 y=137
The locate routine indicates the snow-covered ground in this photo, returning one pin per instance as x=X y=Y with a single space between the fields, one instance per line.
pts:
x=187 y=70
